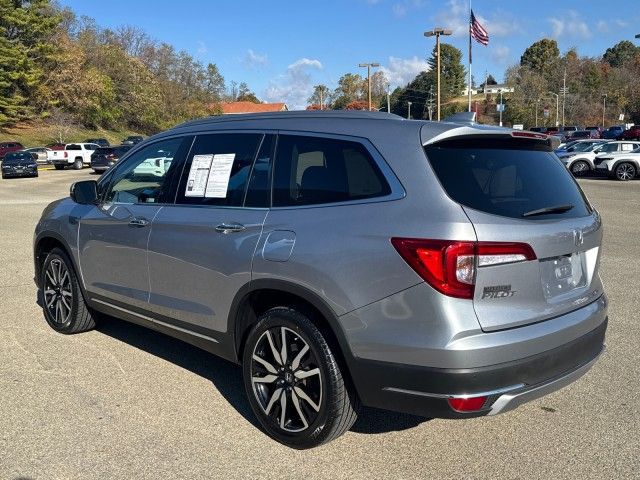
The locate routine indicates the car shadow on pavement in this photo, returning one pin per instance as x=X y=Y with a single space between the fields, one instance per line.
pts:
x=227 y=377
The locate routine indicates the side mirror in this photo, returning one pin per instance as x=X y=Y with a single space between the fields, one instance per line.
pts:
x=84 y=192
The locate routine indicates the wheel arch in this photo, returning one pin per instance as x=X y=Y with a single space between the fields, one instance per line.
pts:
x=45 y=242
x=632 y=161
x=259 y=296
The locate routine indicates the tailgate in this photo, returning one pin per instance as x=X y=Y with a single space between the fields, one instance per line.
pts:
x=519 y=197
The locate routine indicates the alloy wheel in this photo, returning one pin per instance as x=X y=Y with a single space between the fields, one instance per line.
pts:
x=58 y=295
x=286 y=379
x=625 y=172
x=579 y=168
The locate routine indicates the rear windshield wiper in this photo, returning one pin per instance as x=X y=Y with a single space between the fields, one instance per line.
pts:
x=545 y=210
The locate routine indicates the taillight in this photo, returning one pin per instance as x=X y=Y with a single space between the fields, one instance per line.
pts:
x=66 y=154
x=450 y=266
x=110 y=155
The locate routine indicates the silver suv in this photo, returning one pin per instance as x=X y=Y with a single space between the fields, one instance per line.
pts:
x=440 y=269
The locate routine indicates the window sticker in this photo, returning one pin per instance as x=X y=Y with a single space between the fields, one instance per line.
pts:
x=198 y=175
x=218 y=181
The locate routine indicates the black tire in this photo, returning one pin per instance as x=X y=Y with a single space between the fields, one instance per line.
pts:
x=318 y=407
x=624 y=171
x=580 y=168
x=77 y=164
x=59 y=167
x=62 y=302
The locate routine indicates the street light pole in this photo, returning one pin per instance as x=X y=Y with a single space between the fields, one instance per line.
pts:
x=604 y=107
x=557 y=105
x=388 y=98
x=409 y=111
x=501 y=106
x=564 y=93
x=369 y=65
x=431 y=33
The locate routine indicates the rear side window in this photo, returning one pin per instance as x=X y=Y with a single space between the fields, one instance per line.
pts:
x=312 y=170
x=507 y=178
x=74 y=147
x=103 y=150
x=217 y=169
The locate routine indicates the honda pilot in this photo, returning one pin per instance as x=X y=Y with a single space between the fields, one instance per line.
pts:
x=440 y=269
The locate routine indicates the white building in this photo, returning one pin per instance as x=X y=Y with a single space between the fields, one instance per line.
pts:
x=497 y=89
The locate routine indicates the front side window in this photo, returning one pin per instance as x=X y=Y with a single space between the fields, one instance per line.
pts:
x=314 y=170
x=145 y=176
x=217 y=169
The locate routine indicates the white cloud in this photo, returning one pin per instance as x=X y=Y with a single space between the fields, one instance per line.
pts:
x=602 y=26
x=254 y=60
x=295 y=85
x=401 y=71
x=455 y=17
x=202 y=48
x=570 y=25
x=501 y=55
x=400 y=9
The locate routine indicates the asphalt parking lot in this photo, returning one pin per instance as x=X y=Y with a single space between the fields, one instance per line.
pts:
x=125 y=402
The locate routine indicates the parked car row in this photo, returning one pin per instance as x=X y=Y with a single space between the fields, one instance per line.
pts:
x=616 y=159
x=615 y=132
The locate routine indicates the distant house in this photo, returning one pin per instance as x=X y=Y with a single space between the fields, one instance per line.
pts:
x=498 y=88
x=232 y=108
x=474 y=91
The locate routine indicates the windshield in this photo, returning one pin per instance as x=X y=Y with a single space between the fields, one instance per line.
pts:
x=585 y=146
x=17 y=157
x=507 y=178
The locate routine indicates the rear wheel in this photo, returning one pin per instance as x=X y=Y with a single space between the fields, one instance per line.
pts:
x=77 y=164
x=625 y=171
x=59 y=167
x=580 y=168
x=62 y=301
x=293 y=381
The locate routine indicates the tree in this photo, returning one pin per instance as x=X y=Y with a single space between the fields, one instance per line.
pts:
x=214 y=83
x=541 y=56
x=245 y=94
x=351 y=87
x=319 y=97
x=452 y=72
x=26 y=33
x=489 y=81
x=621 y=53
x=357 y=105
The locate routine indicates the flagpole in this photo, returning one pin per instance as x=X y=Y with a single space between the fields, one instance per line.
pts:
x=469 y=89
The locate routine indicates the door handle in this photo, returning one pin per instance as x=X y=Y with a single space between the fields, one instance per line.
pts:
x=230 y=227
x=138 y=222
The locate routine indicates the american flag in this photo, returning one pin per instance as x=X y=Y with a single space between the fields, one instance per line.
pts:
x=477 y=31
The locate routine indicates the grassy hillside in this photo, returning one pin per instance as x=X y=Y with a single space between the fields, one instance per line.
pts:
x=39 y=134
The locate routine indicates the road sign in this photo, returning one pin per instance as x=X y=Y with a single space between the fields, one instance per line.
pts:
x=545 y=112
x=499 y=107
x=621 y=117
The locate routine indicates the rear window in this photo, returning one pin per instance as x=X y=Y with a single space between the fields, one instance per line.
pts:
x=74 y=147
x=507 y=178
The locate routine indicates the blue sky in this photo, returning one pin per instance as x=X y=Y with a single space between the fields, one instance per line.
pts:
x=283 y=48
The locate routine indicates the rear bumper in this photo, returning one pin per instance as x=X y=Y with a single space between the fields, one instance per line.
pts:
x=424 y=391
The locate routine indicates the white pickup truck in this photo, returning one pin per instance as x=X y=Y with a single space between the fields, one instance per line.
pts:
x=74 y=155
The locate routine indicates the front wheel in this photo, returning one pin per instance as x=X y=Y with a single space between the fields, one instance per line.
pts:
x=580 y=168
x=625 y=171
x=62 y=301
x=293 y=381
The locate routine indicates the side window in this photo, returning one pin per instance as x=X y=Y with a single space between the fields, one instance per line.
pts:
x=312 y=170
x=145 y=176
x=259 y=189
x=217 y=170
x=626 y=147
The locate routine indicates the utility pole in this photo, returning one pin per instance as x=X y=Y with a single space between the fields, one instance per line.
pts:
x=537 y=102
x=409 y=111
x=369 y=65
x=388 y=98
x=557 y=103
x=321 y=90
x=564 y=93
x=430 y=103
x=436 y=32
x=501 y=106
x=604 y=107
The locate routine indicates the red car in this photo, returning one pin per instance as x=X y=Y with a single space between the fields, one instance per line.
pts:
x=632 y=134
x=8 y=147
x=56 y=146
